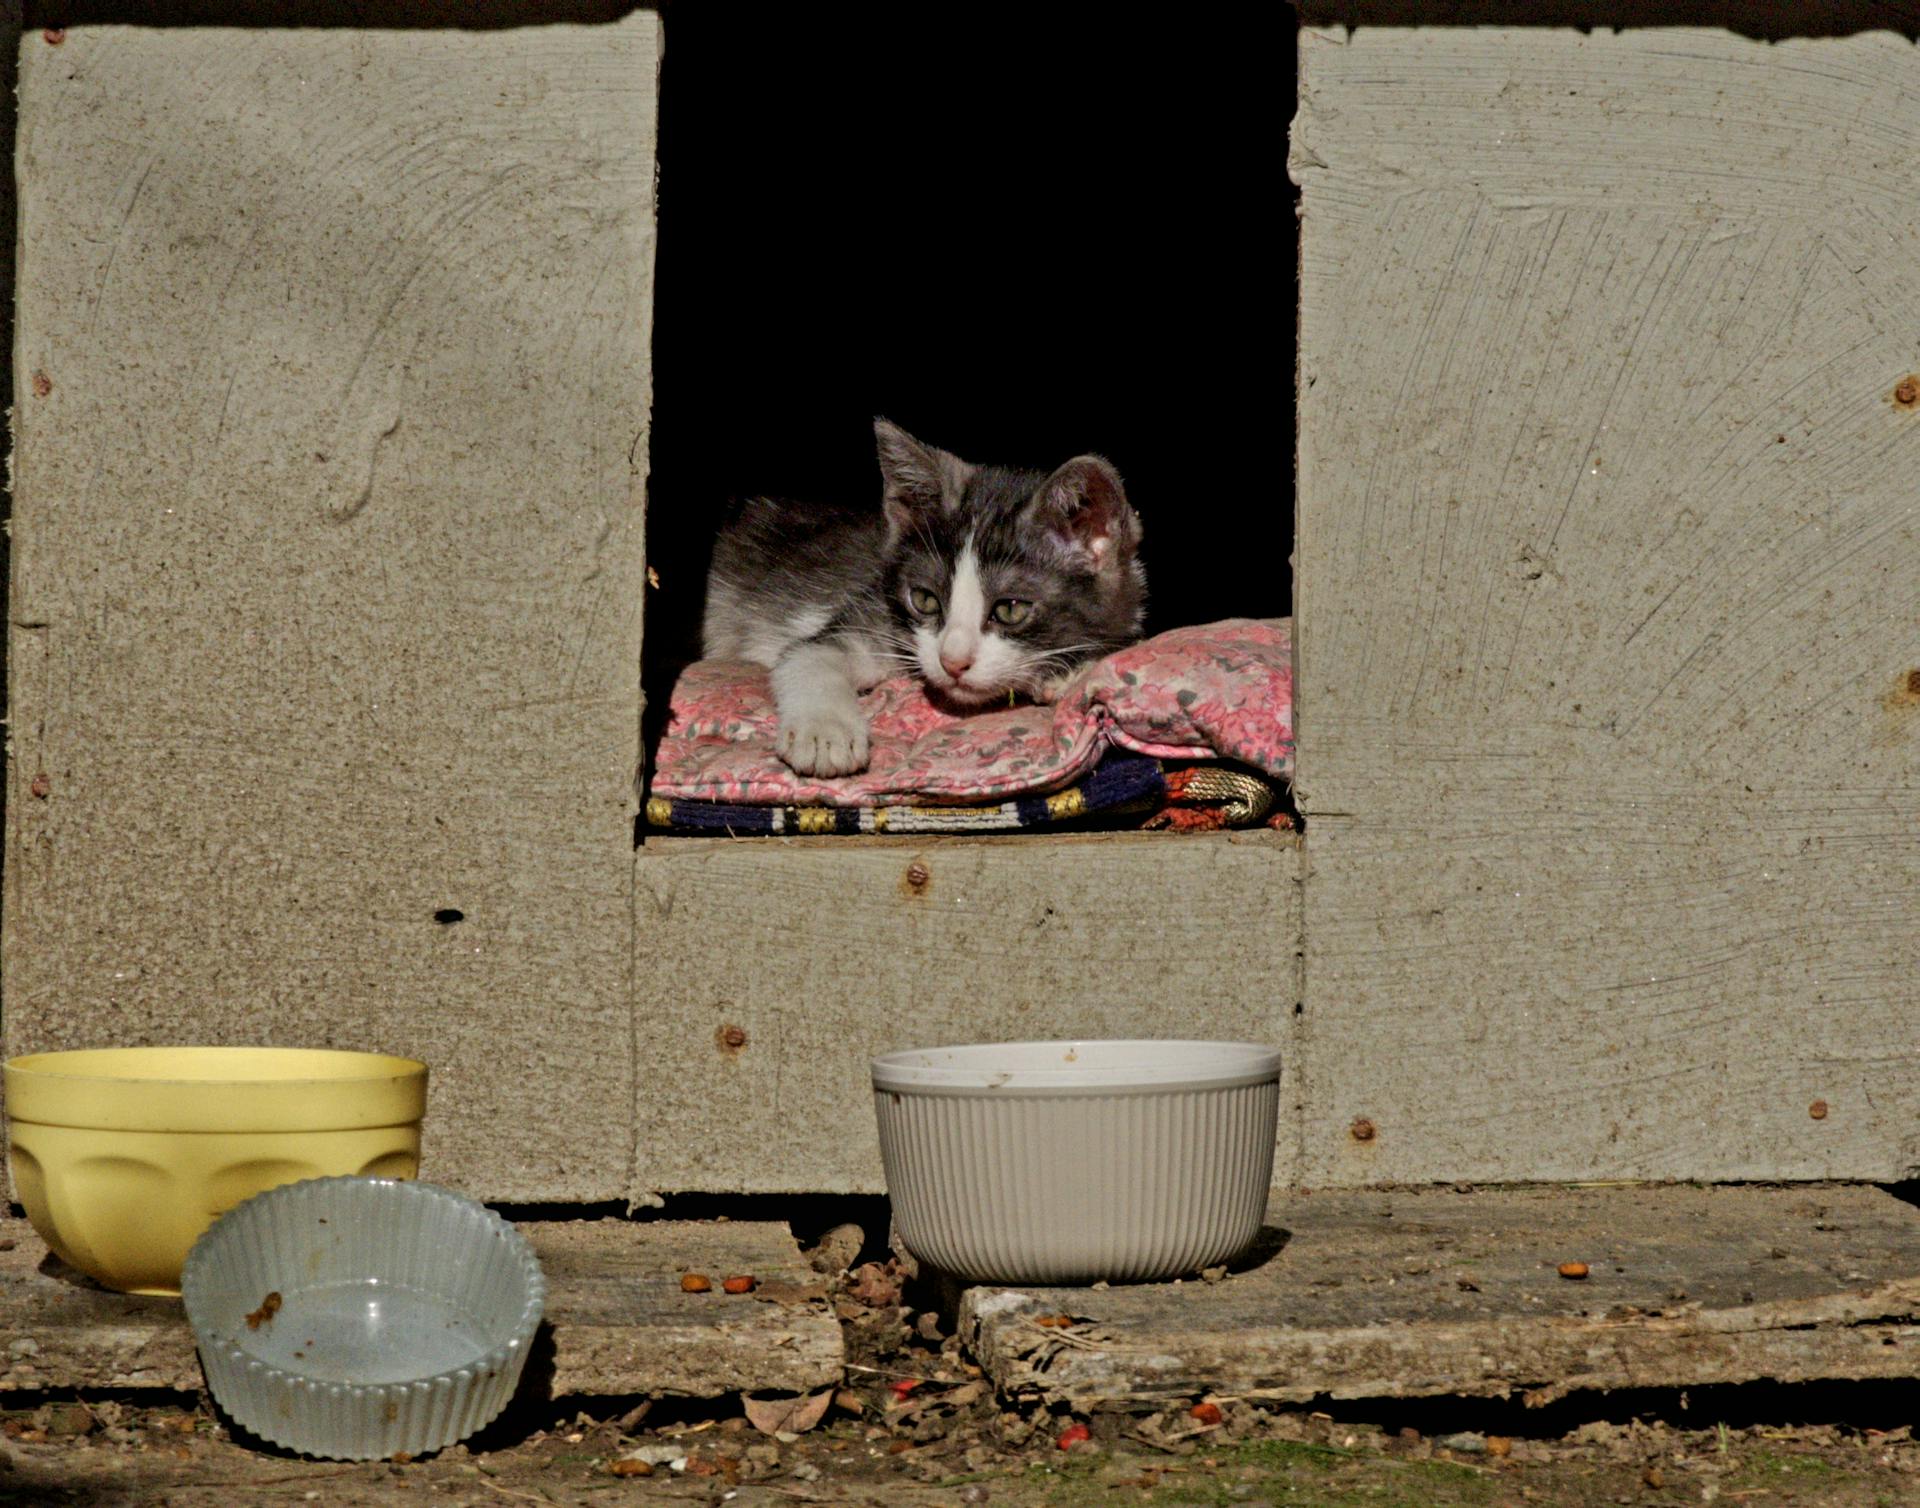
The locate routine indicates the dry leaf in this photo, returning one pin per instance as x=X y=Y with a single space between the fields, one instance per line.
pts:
x=837 y=1249
x=796 y=1415
x=874 y=1286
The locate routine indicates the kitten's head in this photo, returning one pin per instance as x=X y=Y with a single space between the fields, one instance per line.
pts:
x=1002 y=579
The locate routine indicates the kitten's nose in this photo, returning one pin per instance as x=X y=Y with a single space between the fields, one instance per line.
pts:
x=956 y=662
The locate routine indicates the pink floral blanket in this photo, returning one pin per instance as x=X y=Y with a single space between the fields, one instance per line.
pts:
x=1216 y=691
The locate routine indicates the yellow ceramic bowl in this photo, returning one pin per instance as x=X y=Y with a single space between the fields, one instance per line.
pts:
x=124 y=1155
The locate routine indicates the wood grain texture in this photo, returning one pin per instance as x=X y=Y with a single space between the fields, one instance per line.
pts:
x=333 y=354
x=617 y=1322
x=823 y=954
x=621 y=1325
x=1609 y=618
x=61 y=1331
x=1422 y=1292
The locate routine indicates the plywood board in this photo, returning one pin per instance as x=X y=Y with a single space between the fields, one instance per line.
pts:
x=617 y=1322
x=1433 y=1291
x=818 y=955
x=1609 y=613
x=623 y=1325
x=331 y=439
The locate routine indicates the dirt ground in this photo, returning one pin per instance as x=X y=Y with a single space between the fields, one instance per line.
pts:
x=917 y=1424
x=106 y=1452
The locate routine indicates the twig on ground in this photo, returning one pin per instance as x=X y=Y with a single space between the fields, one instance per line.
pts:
x=1134 y=1434
x=854 y=1366
x=297 y=1476
x=525 y=1497
x=633 y=1416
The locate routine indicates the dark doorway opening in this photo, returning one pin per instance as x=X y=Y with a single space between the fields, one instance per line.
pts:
x=1020 y=232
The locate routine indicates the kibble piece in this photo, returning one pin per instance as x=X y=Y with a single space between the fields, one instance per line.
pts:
x=740 y=1283
x=1574 y=1270
x=695 y=1282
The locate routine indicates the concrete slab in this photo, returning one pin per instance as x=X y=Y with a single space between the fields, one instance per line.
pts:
x=342 y=340
x=824 y=952
x=1388 y=1295
x=1604 y=624
x=617 y=1320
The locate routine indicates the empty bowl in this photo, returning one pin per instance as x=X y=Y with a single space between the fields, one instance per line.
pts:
x=1078 y=1162
x=360 y=1318
x=123 y=1156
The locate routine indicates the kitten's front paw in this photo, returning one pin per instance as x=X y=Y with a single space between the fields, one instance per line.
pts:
x=825 y=742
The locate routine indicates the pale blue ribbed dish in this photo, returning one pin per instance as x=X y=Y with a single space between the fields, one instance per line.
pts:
x=400 y=1323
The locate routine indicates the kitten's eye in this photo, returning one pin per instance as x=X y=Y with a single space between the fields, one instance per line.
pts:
x=924 y=602
x=1012 y=611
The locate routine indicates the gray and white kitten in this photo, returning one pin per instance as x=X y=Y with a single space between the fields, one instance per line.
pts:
x=985 y=580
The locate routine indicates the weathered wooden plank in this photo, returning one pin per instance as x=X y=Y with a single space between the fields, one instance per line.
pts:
x=617 y=1320
x=820 y=954
x=59 y=1330
x=1609 y=572
x=327 y=561
x=1395 y=1295
x=622 y=1324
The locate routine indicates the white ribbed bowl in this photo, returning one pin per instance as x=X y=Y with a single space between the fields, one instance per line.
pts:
x=1078 y=1162
x=404 y=1317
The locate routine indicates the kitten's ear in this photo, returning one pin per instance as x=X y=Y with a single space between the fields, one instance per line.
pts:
x=916 y=478
x=1085 y=507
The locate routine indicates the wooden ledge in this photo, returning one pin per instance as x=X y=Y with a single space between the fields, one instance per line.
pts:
x=1395 y=1295
x=617 y=1321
